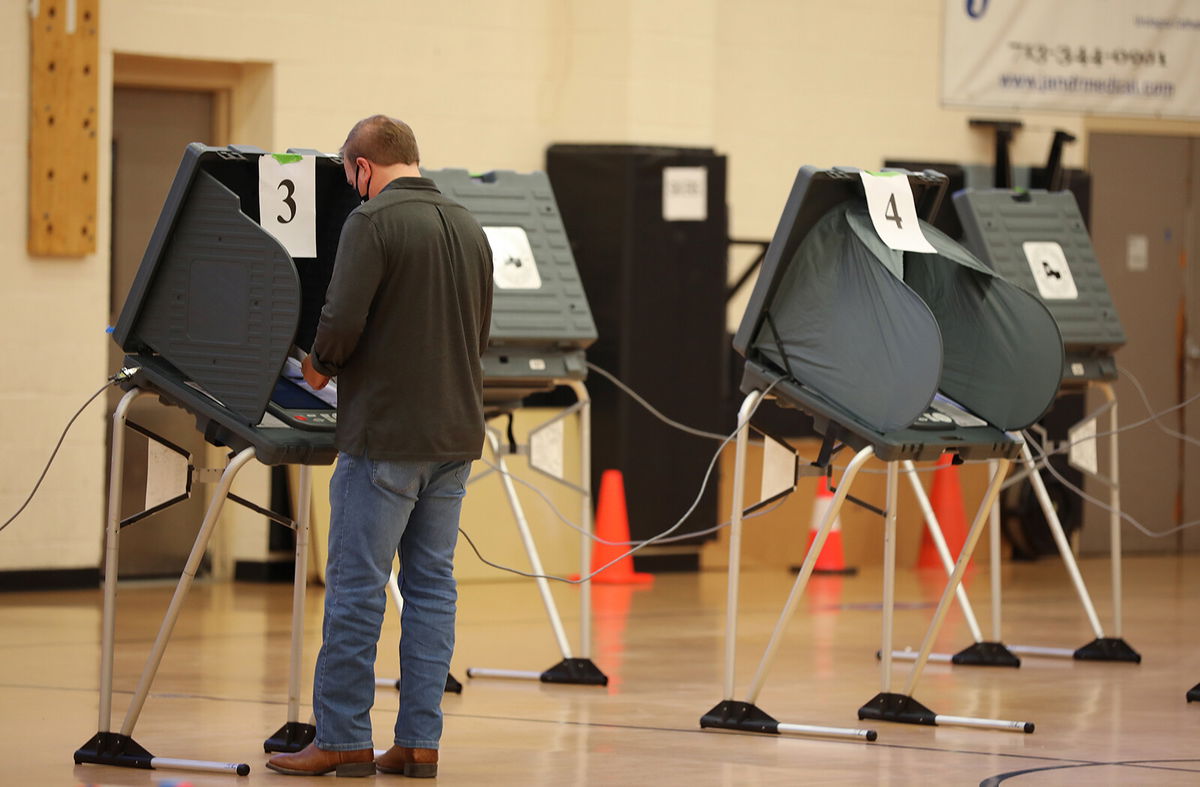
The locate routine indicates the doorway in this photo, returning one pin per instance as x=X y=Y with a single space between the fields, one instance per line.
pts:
x=151 y=128
x=1145 y=221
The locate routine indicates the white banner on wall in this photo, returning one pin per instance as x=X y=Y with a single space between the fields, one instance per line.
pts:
x=1123 y=57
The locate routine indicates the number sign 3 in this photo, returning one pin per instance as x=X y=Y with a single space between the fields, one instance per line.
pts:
x=287 y=201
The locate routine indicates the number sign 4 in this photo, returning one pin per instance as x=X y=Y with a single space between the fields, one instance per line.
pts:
x=893 y=212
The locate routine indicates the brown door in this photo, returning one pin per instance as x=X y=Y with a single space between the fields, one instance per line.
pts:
x=151 y=128
x=1144 y=216
x=1191 y=351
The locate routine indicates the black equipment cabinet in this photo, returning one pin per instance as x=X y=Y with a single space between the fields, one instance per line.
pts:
x=656 y=285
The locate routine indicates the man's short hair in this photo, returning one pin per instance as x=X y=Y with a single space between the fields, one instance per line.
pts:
x=382 y=140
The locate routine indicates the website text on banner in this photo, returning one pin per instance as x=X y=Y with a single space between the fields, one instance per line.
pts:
x=1121 y=57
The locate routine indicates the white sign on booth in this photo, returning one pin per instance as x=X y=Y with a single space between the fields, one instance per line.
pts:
x=893 y=211
x=287 y=201
x=1050 y=270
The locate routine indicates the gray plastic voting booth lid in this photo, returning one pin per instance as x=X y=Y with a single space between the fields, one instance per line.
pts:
x=216 y=297
x=872 y=334
x=556 y=311
x=998 y=223
x=541 y=321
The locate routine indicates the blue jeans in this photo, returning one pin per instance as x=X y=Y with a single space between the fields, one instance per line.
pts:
x=379 y=509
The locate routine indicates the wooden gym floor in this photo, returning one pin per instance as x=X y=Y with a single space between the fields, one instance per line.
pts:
x=222 y=686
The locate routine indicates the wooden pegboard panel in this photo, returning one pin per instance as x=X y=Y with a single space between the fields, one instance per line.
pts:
x=64 y=50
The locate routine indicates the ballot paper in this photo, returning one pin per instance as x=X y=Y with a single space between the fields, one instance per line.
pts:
x=955 y=412
x=293 y=372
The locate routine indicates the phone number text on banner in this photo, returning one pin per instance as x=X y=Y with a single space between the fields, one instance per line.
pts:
x=1122 y=57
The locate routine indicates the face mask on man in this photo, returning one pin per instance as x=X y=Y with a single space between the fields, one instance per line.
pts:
x=362 y=198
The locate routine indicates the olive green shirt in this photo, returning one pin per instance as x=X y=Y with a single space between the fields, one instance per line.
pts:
x=405 y=320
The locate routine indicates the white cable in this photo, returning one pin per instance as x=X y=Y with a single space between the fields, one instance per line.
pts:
x=653 y=411
x=563 y=518
x=699 y=432
x=120 y=376
x=656 y=539
x=1041 y=459
x=1146 y=401
x=665 y=537
x=1152 y=418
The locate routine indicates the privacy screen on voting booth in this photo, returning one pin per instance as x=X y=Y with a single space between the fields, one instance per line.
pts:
x=229 y=293
x=877 y=323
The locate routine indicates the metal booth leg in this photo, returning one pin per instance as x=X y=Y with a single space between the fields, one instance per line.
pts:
x=111 y=552
x=586 y=515
x=294 y=735
x=1118 y=644
x=994 y=556
x=888 y=706
x=577 y=670
x=731 y=714
x=1102 y=648
x=889 y=580
x=107 y=748
x=980 y=653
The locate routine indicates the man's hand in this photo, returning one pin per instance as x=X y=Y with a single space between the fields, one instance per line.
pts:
x=315 y=379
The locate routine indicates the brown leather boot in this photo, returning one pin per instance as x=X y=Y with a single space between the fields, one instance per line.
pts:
x=414 y=763
x=311 y=761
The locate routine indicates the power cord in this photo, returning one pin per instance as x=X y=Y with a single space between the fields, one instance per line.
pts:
x=119 y=377
x=642 y=545
x=665 y=537
x=1041 y=458
x=700 y=432
x=569 y=523
x=654 y=411
x=1137 y=385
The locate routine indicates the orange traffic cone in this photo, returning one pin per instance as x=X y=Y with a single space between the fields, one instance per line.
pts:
x=612 y=524
x=946 y=500
x=832 y=559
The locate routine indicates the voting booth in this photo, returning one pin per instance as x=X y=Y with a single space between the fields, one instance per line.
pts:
x=541 y=324
x=1038 y=240
x=902 y=346
x=224 y=305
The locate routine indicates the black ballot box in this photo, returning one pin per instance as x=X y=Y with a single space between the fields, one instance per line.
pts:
x=648 y=225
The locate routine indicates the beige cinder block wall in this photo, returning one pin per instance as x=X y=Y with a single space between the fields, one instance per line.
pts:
x=487 y=85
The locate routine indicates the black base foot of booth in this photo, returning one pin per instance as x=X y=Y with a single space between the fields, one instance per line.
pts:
x=453 y=686
x=888 y=706
x=742 y=716
x=291 y=737
x=1108 y=649
x=111 y=748
x=581 y=672
x=849 y=571
x=122 y=751
x=1194 y=694
x=986 y=654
